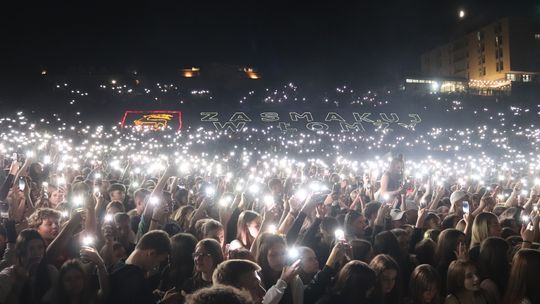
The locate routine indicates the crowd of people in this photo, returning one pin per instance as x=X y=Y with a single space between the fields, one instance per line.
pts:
x=277 y=232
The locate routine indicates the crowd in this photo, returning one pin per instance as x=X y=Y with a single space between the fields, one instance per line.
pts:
x=278 y=232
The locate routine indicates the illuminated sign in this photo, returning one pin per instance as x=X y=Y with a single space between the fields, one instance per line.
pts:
x=152 y=120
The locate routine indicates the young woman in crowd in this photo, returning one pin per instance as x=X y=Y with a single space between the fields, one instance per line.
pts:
x=523 y=284
x=207 y=256
x=388 y=286
x=424 y=286
x=247 y=229
x=494 y=267
x=463 y=284
x=354 y=284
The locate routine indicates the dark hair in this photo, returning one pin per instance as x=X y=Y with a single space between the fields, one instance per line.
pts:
x=155 y=240
x=387 y=243
x=361 y=250
x=354 y=281
x=121 y=216
x=242 y=254
x=450 y=221
x=423 y=277
x=350 y=217
x=24 y=238
x=219 y=294
x=117 y=205
x=425 y=251
x=264 y=243
x=523 y=282
x=62 y=295
x=380 y=264
x=447 y=244
x=242 y=231
x=230 y=271
x=371 y=209
x=141 y=193
x=181 y=262
x=455 y=282
x=117 y=186
x=214 y=249
x=493 y=262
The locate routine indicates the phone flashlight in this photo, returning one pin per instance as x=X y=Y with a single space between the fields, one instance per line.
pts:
x=340 y=234
x=466 y=207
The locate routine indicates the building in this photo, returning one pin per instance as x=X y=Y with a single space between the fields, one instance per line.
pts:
x=494 y=58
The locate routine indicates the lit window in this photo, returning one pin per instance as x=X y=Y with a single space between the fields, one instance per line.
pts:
x=511 y=77
x=527 y=78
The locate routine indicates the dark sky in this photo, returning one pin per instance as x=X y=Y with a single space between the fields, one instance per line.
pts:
x=345 y=40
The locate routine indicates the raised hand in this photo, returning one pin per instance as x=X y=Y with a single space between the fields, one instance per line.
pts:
x=289 y=272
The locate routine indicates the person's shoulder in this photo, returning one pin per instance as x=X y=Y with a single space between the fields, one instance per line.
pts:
x=451 y=299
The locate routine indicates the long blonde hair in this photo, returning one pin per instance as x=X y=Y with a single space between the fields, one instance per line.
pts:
x=480 y=229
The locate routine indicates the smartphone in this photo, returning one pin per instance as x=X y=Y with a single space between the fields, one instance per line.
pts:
x=292 y=255
x=466 y=207
x=22 y=183
x=4 y=210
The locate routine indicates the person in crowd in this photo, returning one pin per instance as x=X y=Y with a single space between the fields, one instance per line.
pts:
x=219 y=295
x=355 y=283
x=362 y=250
x=494 y=267
x=128 y=282
x=73 y=286
x=485 y=225
x=241 y=274
x=207 y=256
x=30 y=279
x=45 y=221
x=449 y=242
x=424 y=286
x=247 y=230
x=388 y=286
x=523 y=283
x=181 y=262
x=463 y=284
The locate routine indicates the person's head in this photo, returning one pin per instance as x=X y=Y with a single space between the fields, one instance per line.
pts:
x=456 y=200
x=361 y=250
x=114 y=207
x=432 y=221
x=396 y=165
x=462 y=276
x=448 y=243
x=310 y=264
x=388 y=277
x=29 y=247
x=485 y=225
x=182 y=248
x=355 y=281
x=523 y=281
x=450 y=221
x=219 y=294
x=45 y=221
x=123 y=226
x=328 y=227
x=425 y=285
x=71 y=280
x=271 y=253
x=355 y=223
x=214 y=230
x=57 y=196
x=493 y=261
x=139 y=197
x=403 y=240
x=371 y=210
x=117 y=192
x=387 y=243
x=183 y=216
x=276 y=186
x=153 y=248
x=247 y=227
x=425 y=251
x=207 y=256
x=241 y=274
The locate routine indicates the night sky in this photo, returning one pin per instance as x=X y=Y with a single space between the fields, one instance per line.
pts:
x=355 y=41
